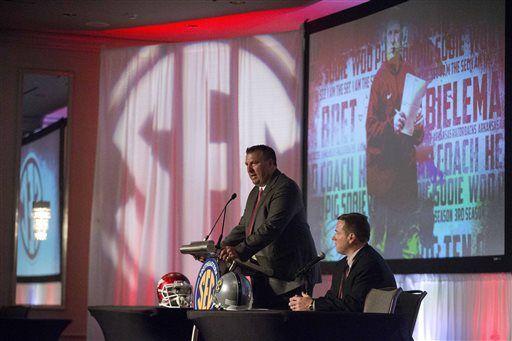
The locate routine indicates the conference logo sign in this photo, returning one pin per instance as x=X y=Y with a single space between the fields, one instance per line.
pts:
x=205 y=285
x=211 y=115
x=219 y=285
x=31 y=190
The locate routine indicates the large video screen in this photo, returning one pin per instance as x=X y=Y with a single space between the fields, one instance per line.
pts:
x=406 y=124
x=40 y=180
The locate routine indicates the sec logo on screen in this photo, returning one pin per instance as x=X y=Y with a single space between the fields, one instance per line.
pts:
x=205 y=285
x=31 y=190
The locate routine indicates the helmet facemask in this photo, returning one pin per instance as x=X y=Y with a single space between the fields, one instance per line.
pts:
x=174 y=292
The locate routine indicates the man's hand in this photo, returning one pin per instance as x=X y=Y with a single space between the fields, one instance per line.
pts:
x=419 y=117
x=228 y=253
x=418 y=124
x=418 y=128
x=398 y=121
x=300 y=303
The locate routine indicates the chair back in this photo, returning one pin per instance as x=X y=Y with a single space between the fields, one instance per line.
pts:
x=381 y=300
x=408 y=306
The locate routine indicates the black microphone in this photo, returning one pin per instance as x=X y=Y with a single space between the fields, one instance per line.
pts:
x=302 y=271
x=224 y=219
x=233 y=196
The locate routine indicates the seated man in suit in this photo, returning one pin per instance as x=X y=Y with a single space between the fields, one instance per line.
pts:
x=361 y=270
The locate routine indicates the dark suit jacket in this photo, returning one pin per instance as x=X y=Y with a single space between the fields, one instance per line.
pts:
x=369 y=270
x=281 y=239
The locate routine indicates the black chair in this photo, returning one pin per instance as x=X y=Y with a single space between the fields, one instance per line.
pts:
x=382 y=300
x=407 y=307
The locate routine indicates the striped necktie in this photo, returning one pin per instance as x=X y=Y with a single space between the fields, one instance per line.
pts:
x=342 y=282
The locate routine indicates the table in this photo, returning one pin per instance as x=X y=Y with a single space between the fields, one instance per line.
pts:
x=142 y=323
x=27 y=329
x=287 y=325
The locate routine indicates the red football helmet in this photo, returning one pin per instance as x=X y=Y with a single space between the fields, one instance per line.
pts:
x=174 y=291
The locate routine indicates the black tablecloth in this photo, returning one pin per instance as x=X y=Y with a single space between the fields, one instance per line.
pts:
x=142 y=323
x=28 y=329
x=287 y=325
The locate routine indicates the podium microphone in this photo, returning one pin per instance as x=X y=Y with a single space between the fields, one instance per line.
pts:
x=302 y=271
x=233 y=196
x=224 y=220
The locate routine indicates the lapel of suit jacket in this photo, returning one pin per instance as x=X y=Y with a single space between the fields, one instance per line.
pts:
x=342 y=279
x=358 y=256
x=251 y=201
x=270 y=186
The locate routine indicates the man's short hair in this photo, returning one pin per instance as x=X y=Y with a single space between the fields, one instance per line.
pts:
x=357 y=224
x=268 y=153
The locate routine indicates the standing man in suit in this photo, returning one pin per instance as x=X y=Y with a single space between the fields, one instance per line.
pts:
x=361 y=270
x=273 y=233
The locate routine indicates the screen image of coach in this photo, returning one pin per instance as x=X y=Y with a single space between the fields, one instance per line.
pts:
x=174 y=291
x=406 y=124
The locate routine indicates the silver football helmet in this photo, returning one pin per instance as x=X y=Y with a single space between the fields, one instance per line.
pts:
x=233 y=292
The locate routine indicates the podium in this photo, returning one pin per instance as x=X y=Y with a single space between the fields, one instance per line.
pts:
x=207 y=249
x=212 y=270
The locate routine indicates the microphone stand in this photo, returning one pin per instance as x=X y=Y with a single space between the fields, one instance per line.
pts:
x=305 y=269
x=233 y=196
x=215 y=223
x=222 y=229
